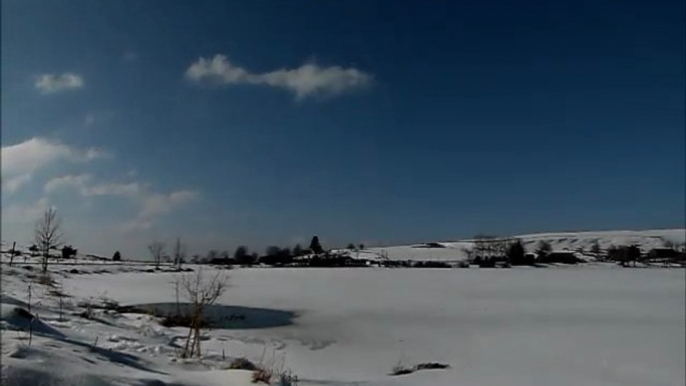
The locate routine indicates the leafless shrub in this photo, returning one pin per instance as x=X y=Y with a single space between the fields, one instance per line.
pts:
x=401 y=369
x=201 y=292
x=262 y=375
x=48 y=235
x=179 y=253
x=157 y=252
x=271 y=368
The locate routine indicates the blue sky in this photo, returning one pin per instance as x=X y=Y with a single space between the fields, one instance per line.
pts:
x=260 y=123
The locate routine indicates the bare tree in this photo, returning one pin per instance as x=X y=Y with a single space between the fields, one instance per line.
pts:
x=48 y=235
x=596 y=250
x=201 y=292
x=483 y=248
x=157 y=252
x=179 y=253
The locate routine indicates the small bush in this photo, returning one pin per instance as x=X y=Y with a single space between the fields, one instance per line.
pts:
x=431 y=366
x=288 y=379
x=46 y=280
x=401 y=369
x=242 y=364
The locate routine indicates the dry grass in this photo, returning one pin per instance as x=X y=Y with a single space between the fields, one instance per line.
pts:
x=58 y=293
x=262 y=375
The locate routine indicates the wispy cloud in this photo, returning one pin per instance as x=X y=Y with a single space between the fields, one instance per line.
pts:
x=54 y=83
x=24 y=213
x=22 y=160
x=151 y=204
x=74 y=181
x=305 y=81
x=13 y=184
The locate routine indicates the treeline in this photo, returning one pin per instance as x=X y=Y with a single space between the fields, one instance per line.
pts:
x=280 y=256
x=492 y=252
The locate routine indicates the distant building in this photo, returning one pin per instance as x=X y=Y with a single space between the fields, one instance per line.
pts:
x=663 y=253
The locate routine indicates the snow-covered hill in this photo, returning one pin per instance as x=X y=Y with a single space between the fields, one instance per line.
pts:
x=457 y=251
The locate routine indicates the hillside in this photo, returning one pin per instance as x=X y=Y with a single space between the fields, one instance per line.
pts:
x=455 y=251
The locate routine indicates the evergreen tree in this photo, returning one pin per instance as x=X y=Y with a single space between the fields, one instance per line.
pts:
x=516 y=254
x=315 y=246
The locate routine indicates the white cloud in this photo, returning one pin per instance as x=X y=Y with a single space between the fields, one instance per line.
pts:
x=151 y=204
x=73 y=181
x=13 y=184
x=24 y=213
x=158 y=204
x=21 y=160
x=53 y=83
x=133 y=189
x=306 y=80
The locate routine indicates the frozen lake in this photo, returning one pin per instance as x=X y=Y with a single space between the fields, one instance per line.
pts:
x=529 y=327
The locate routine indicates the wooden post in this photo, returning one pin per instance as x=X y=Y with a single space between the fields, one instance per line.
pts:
x=14 y=244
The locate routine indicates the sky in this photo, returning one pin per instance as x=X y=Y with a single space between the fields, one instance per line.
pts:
x=231 y=123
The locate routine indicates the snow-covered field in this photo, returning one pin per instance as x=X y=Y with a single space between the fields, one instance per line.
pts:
x=588 y=325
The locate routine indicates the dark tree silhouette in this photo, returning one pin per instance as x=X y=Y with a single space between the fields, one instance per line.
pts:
x=633 y=254
x=277 y=256
x=273 y=250
x=116 y=256
x=297 y=250
x=68 y=252
x=212 y=255
x=240 y=253
x=351 y=246
x=516 y=254
x=242 y=257
x=315 y=246
x=543 y=249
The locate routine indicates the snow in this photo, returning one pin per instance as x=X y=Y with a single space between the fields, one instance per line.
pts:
x=588 y=325
x=456 y=251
